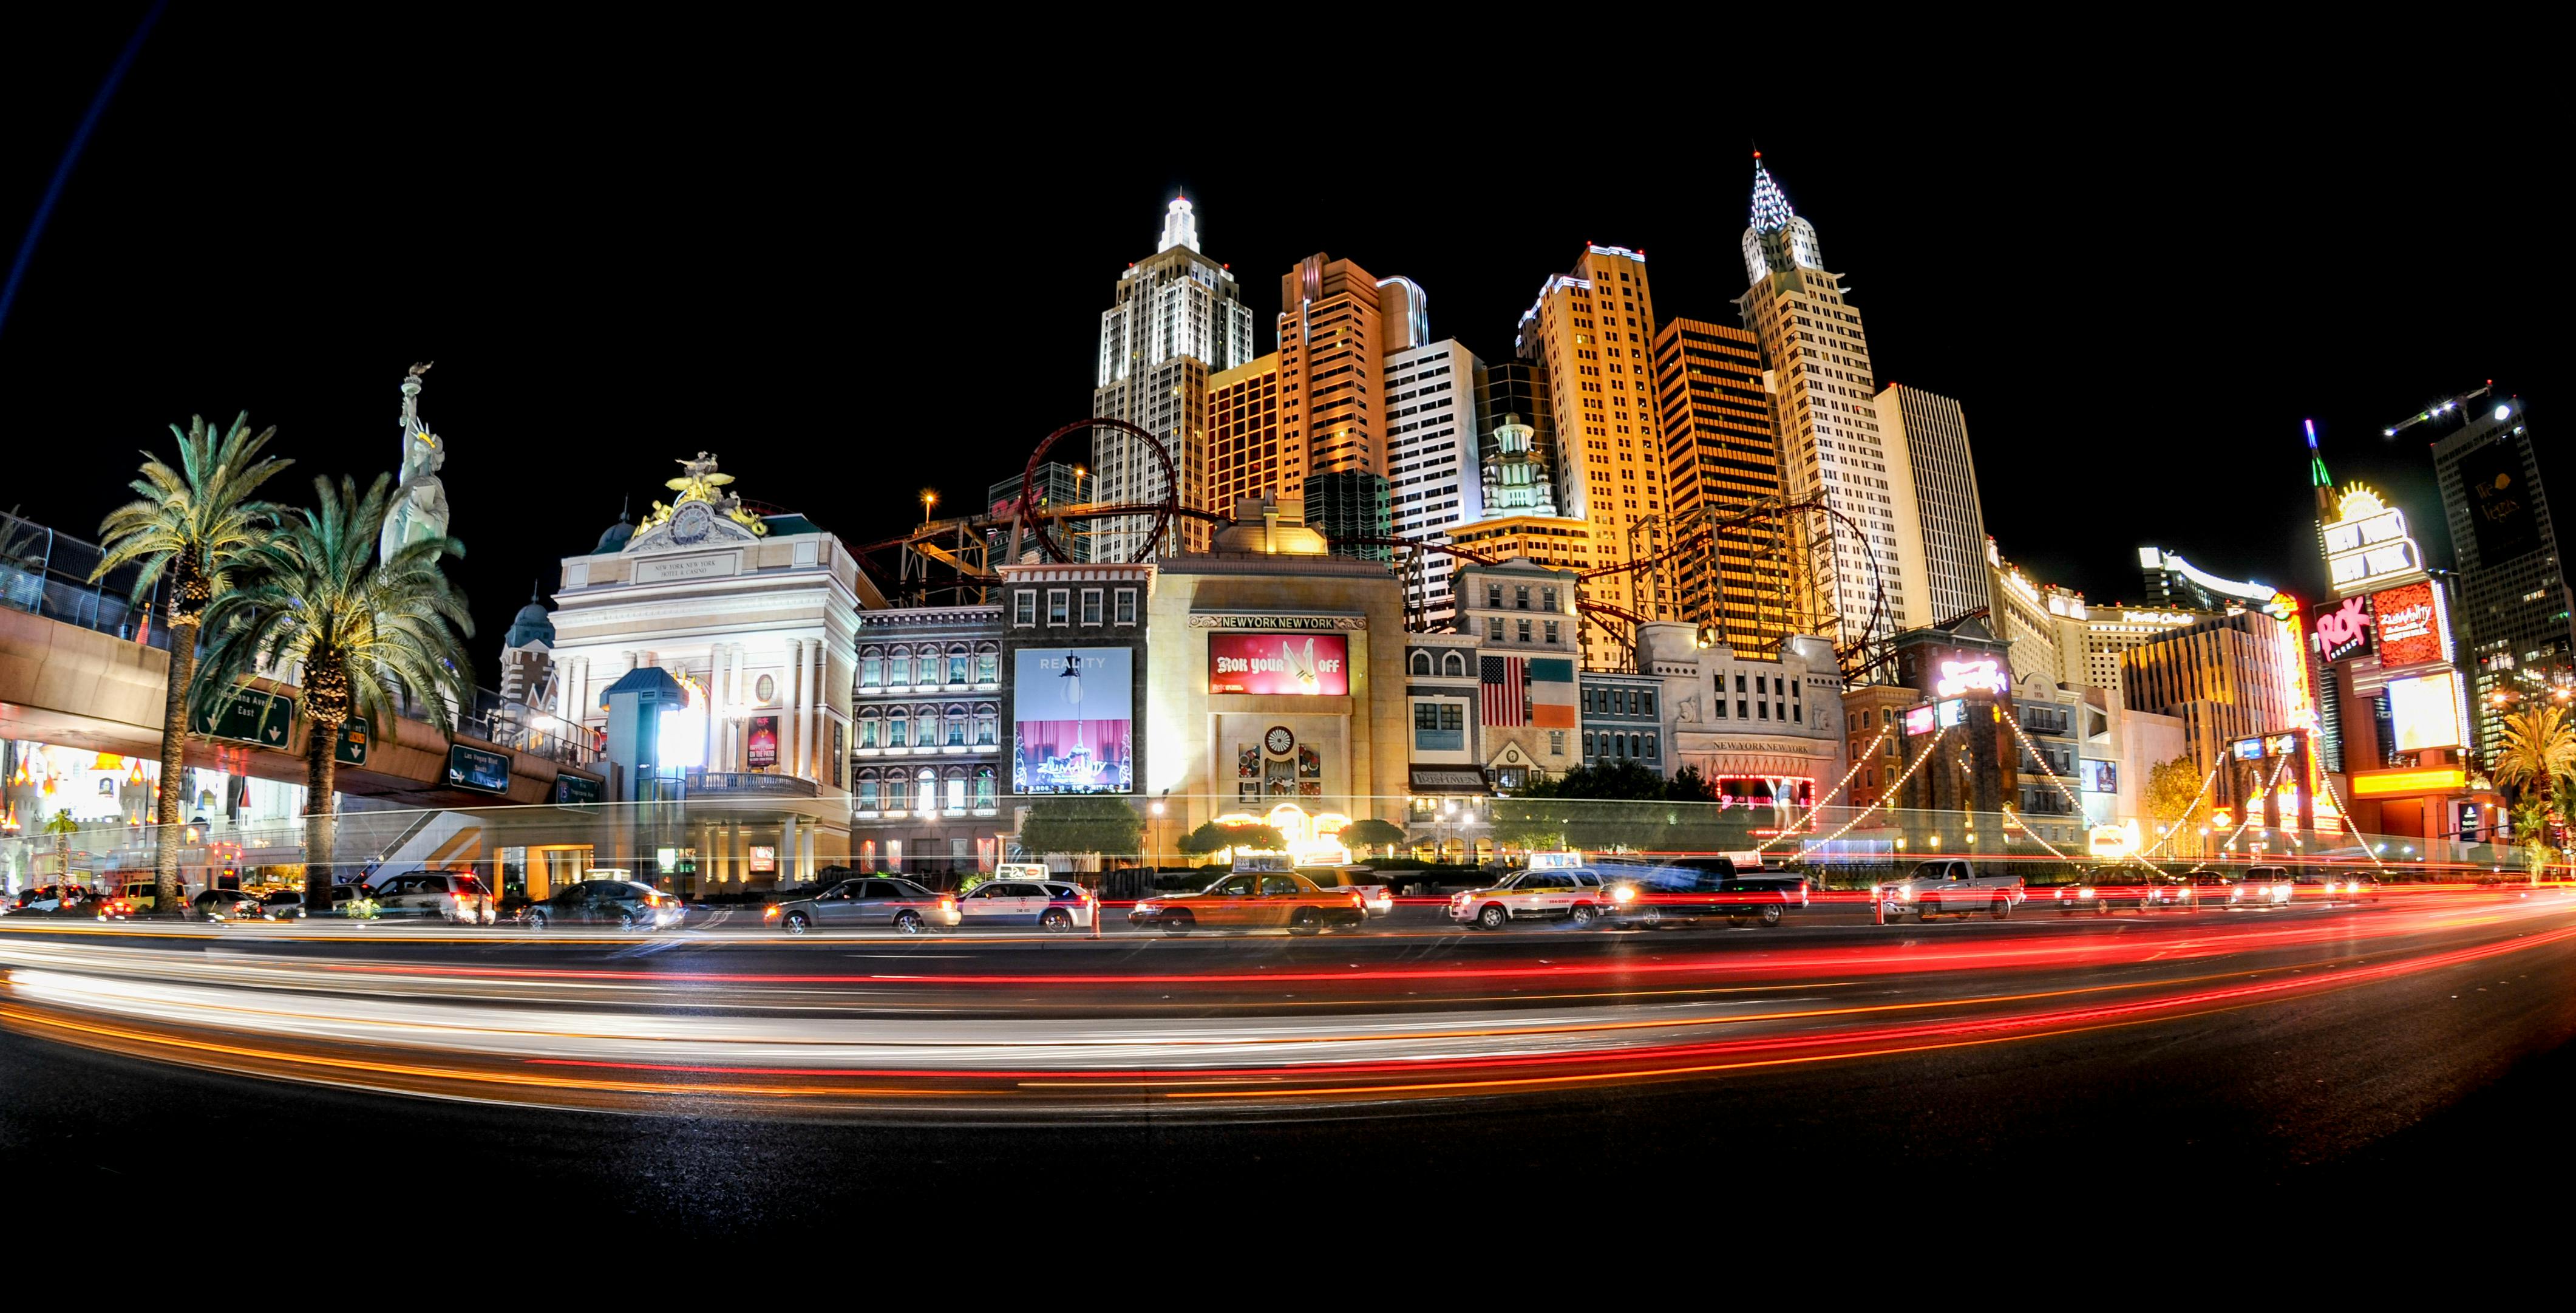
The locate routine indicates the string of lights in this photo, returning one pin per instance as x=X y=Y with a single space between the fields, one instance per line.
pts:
x=1881 y=801
x=2185 y=818
x=1867 y=755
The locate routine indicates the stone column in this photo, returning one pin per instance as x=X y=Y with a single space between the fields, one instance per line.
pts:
x=787 y=849
x=812 y=839
x=817 y=730
x=790 y=749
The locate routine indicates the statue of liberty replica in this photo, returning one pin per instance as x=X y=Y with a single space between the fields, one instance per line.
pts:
x=419 y=508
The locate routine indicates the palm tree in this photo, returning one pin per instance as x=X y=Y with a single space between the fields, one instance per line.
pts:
x=62 y=827
x=2539 y=755
x=370 y=635
x=191 y=526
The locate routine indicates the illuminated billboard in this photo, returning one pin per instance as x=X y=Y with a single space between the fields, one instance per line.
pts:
x=2344 y=630
x=1296 y=664
x=2426 y=711
x=2412 y=627
x=2366 y=543
x=2248 y=749
x=1952 y=712
x=1072 y=720
x=1918 y=721
x=2100 y=776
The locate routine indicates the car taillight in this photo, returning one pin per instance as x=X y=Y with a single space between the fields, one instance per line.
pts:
x=947 y=903
x=769 y=913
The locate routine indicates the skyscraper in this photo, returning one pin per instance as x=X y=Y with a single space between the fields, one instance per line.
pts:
x=1331 y=385
x=1720 y=458
x=1591 y=329
x=2514 y=601
x=1243 y=434
x=1431 y=423
x=1941 y=529
x=1346 y=506
x=1829 y=428
x=1179 y=318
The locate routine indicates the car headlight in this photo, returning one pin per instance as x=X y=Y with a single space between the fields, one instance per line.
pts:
x=1148 y=908
x=2085 y=892
x=1623 y=894
x=1905 y=893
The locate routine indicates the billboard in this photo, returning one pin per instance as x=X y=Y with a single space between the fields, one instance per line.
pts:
x=1072 y=714
x=2343 y=631
x=2426 y=711
x=760 y=743
x=1918 y=720
x=2100 y=776
x=2412 y=628
x=1952 y=712
x=2248 y=749
x=1301 y=664
x=2500 y=511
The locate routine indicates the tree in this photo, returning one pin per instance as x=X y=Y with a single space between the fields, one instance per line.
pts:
x=62 y=827
x=1082 y=824
x=1688 y=785
x=2531 y=833
x=1370 y=832
x=1624 y=780
x=1212 y=837
x=2171 y=789
x=371 y=636
x=191 y=527
x=2539 y=759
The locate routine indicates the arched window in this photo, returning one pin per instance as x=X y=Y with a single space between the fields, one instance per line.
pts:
x=988 y=664
x=958 y=660
x=898 y=666
x=925 y=730
x=956 y=782
x=895 y=721
x=1587 y=743
x=866 y=784
x=925 y=790
x=984 y=715
x=894 y=791
x=1421 y=662
x=868 y=728
x=1654 y=751
x=983 y=788
x=1453 y=663
x=956 y=724
x=872 y=668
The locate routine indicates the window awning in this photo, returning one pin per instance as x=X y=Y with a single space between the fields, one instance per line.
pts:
x=1449 y=779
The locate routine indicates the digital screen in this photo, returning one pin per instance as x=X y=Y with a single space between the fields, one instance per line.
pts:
x=2249 y=749
x=1918 y=720
x=1301 y=664
x=2426 y=711
x=764 y=860
x=2281 y=745
x=1952 y=712
x=2344 y=630
x=2100 y=776
x=760 y=745
x=2411 y=626
x=477 y=769
x=1072 y=719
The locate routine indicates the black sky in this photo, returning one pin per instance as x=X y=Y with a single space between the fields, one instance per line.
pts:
x=851 y=273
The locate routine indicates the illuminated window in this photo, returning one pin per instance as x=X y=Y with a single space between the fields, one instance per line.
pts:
x=1059 y=605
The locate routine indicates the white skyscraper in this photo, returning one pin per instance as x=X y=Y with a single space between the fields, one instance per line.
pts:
x=1941 y=535
x=1830 y=440
x=1432 y=475
x=1179 y=318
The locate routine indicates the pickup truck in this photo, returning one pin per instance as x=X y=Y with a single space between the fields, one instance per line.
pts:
x=1950 y=884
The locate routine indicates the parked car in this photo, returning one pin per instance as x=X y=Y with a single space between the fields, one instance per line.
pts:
x=875 y=900
x=1570 y=893
x=451 y=896
x=1376 y=898
x=1953 y=885
x=282 y=905
x=1247 y=900
x=624 y=904
x=140 y=895
x=1046 y=904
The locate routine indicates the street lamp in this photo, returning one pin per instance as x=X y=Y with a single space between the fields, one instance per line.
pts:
x=929 y=498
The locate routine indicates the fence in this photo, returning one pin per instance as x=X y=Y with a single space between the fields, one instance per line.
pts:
x=45 y=573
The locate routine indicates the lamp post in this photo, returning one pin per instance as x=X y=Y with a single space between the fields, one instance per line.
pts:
x=1156 y=855
x=929 y=498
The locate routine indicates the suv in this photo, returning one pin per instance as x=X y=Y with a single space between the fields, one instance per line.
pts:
x=621 y=903
x=1046 y=904
x=2262 y=886
x=1569 y=892
x=449 y=895
x=1950 y=884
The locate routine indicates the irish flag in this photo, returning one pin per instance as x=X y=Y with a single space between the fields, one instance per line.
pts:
x=1551 y=693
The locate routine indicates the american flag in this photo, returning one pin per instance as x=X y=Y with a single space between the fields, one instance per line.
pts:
x=1502 y=691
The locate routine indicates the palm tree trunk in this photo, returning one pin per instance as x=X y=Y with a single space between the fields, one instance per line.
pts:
x=320 y=741
x=168 y=800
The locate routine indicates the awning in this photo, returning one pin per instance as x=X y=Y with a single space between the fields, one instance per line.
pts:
x=1449 y=779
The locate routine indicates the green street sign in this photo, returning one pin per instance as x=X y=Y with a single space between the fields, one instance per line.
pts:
x=249 y=716
x=352 y=748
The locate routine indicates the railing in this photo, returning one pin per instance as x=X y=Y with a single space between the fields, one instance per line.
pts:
x=45 y=573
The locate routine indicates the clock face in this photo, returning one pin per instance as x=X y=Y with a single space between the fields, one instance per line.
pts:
x=692 y=522
x=1279 y=740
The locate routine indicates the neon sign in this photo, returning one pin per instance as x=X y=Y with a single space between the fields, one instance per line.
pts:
x=2368 y=544
x=1983 y=676
x=2343 y=631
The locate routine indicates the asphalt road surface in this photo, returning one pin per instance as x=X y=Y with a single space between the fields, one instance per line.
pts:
x=1413 y=1076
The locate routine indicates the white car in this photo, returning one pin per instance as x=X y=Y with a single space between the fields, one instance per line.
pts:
x=1950 y=884
x=1571 y=894
x=448 y=895
x=2262 y=886
x=1046 y=904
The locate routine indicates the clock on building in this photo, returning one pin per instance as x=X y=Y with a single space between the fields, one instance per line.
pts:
x=1279 y=741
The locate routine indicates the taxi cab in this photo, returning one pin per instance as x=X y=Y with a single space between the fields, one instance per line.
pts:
x=1252 y=900
x=1018 y=901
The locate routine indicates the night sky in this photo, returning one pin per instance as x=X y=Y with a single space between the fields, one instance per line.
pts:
x=850 y=277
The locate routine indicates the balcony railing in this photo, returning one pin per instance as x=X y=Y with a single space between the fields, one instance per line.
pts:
x=46 y=573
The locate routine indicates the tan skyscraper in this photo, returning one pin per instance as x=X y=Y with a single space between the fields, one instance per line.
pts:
x=1721 y=458
x=1592 y=329
x=1244 y=458
x=1830 y=445
x=1331 y=344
